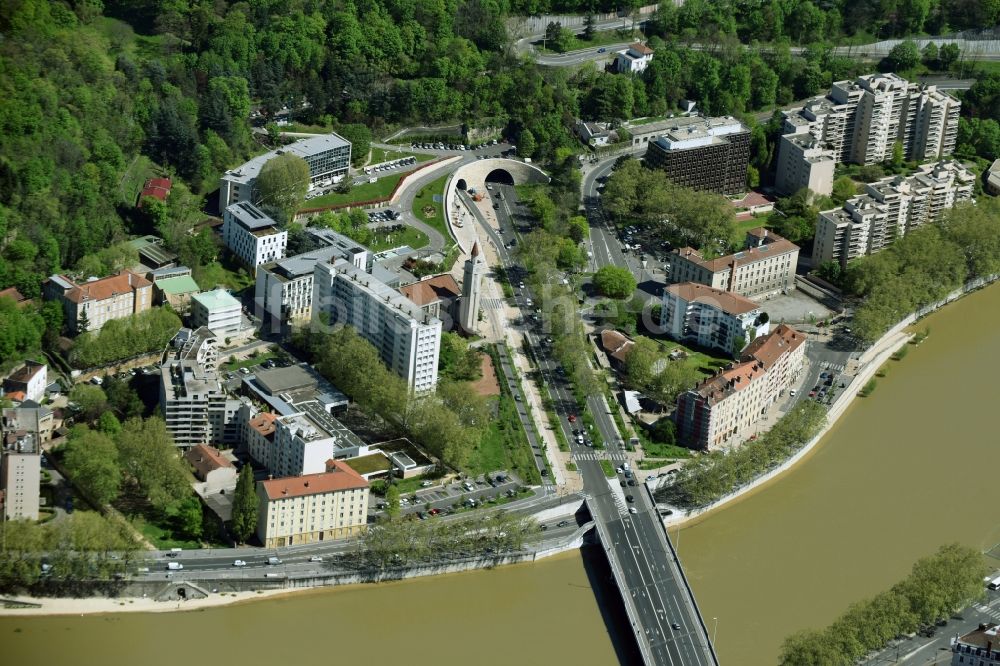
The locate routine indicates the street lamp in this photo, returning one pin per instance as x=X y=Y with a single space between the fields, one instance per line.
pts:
x=715 y=630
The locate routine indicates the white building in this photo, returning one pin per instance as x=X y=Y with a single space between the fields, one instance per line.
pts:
x=765 y=267
x=195 y=406
x=862 y=120
x=212 y=468
x=633 y=60
x=328 y=157
x=30 y=379
x=722 y=410
x=710 y=317
x=804 y=162
x=472 y=282
x=216 y=310
x=980 y=647
x=20 y=475
x=889 y=209
x=300 y=446
x=251 y=235
x=98 y=301
x=593 y=134
x=407 y=338
x=310 y=508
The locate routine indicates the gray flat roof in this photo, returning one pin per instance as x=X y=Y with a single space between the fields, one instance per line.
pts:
x=283 y=380
x=249 y=216
x=304 y=148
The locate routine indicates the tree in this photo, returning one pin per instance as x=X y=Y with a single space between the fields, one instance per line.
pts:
x=282 y=185
x=904 y=56
x=664 y=431
x=360 y=137
x=948 y=55
x=149 y=460
x=588 y=27
x=897 y=154
x=244 y=522
x=83 y=321
x=392 y=502
x=615 y=282
x=843 y=189
x=92 y=462
x=526 y=145
x=187 y=514
x=90 y=399
x=930 y=55
x=109 y=424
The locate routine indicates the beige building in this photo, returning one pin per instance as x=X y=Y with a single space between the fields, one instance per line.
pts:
x=315 y=507
x=710 y=317
x=20 y=475
x=211 y=467
x=721 y=411
x=890 y=208
x=804 y=162
x=115 y=297
x=766 y=266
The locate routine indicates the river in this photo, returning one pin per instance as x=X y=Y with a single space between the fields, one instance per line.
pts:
x=904 y=471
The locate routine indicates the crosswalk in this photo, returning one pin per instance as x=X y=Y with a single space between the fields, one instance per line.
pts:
x=992 y=612
x=836 y=367
x=614 y=456
x=619 y=496
x=493 y=304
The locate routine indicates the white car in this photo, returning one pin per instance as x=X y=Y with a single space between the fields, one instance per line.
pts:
x=239 y=563
x=632 y=509
x=315 y=558
x=792 y=392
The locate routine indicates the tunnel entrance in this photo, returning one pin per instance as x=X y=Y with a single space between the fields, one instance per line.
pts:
x=500 y=176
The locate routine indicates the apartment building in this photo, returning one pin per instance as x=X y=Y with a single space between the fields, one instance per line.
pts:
x=300 y=446
x=861 y=121
x=216 y=310
x=711 y=318
x=328 y=157
x=890 y=208
x=804 y=162
x=979 y=647
x=28 y=381
x=98 y=301
x=310 y=508
x=407 y=338
x=257 y=433
x=28 y=417
x=766 y=266
x=722 y=410
x=252 y=235
x=20 y=475
x=196 y=407
x=709 y=154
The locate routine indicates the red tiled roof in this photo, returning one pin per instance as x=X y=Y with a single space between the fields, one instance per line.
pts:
x=100 y=290
x=769 y=348
x=641 y=48
x=12 y=292
x=753 y=199
x=341 y=477
x=16 y=396
x=164 y=183
x=264 y=424
x=206 y=459
x=724 y=300
x=776 y=246
x=616 y=344
x=431 y=290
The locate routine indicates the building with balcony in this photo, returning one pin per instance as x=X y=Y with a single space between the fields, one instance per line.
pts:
x=722 y=410
x=803 y=162
x=252 y=235
x=890 y=208
x=980 y=647
x=711 y=318
x=328 y=157
x=311 y=508
x=766 y=266
x=708 y=154
x=20 y=475
x=218 y=311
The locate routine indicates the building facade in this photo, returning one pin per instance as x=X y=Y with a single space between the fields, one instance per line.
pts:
x=633 y=60
x=803 y=162
x=407 y=338
x=20 y=475
x=980 y=647
x=30 y=379
x=216 y=310
x=211 y=467
x=300 y=447
x=472 y=287
x=766 y=266
x=99 y=301
x=328 y=157
x=722 y=410
x=889 y=209
x=711 y=318
x=708 y=154
x=252 y=235
x=315 y=507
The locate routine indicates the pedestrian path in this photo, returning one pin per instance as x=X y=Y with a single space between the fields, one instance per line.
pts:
x=493 y=304
x=616 y=492
x=614 y=456
x=992 y=612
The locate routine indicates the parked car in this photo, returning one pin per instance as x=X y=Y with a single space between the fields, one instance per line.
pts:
x=315 y=558
x=239 y=563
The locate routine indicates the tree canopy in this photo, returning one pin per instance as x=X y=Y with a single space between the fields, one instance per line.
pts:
x=282 y=185
x=615 y=282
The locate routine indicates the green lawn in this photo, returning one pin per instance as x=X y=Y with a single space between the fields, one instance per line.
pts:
x=742 y=227
x=380 y=155
x=707 y=365
x=162 y=536
x=135 y=177
x=609 y=470
x=215 y=274
x=380 y=189
x=408 y=236
x=425 y=198
x=504 y=446
x=248 y=363
x=375 y=462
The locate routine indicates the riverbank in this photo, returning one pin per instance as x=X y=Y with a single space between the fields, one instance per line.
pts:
x=871 y=360
x=59 y=606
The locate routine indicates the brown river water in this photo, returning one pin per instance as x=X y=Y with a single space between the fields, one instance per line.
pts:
x=904 y=471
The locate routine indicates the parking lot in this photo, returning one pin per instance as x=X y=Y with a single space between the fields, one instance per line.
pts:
x=445 y=498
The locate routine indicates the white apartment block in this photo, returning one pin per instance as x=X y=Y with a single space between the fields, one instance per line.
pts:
x=765 y=267
x=30 y=379
x=328 y=157
x=979 y=647
x=195 y=406
x=803 y=162
x=311 y=508
x=216 y=310
x=722 y=410
x=20 y=475
x=407 y=338
x=889 y=209
x=861 y=121
x=710 y=317
x=300 y=446
x=251 y=235
x=115 y=297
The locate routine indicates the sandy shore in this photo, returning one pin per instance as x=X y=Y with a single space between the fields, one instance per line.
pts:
x=98 y=605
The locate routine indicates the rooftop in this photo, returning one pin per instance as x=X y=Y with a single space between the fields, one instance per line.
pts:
x=987 y=635
x=616 y=344
x=304 y=148
x=174 y=286
x=281 y=380
x=217 y=299
x=98 y=290
x=263 y=423
x=432 y=289
x=728 y=302
x=250 y=217
x=771 y=244
x=390 y=298
x=152 y=247
x=26 y=373
x=691 y=132
x=768 y=348
x=340 y=477
x=205 y=458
